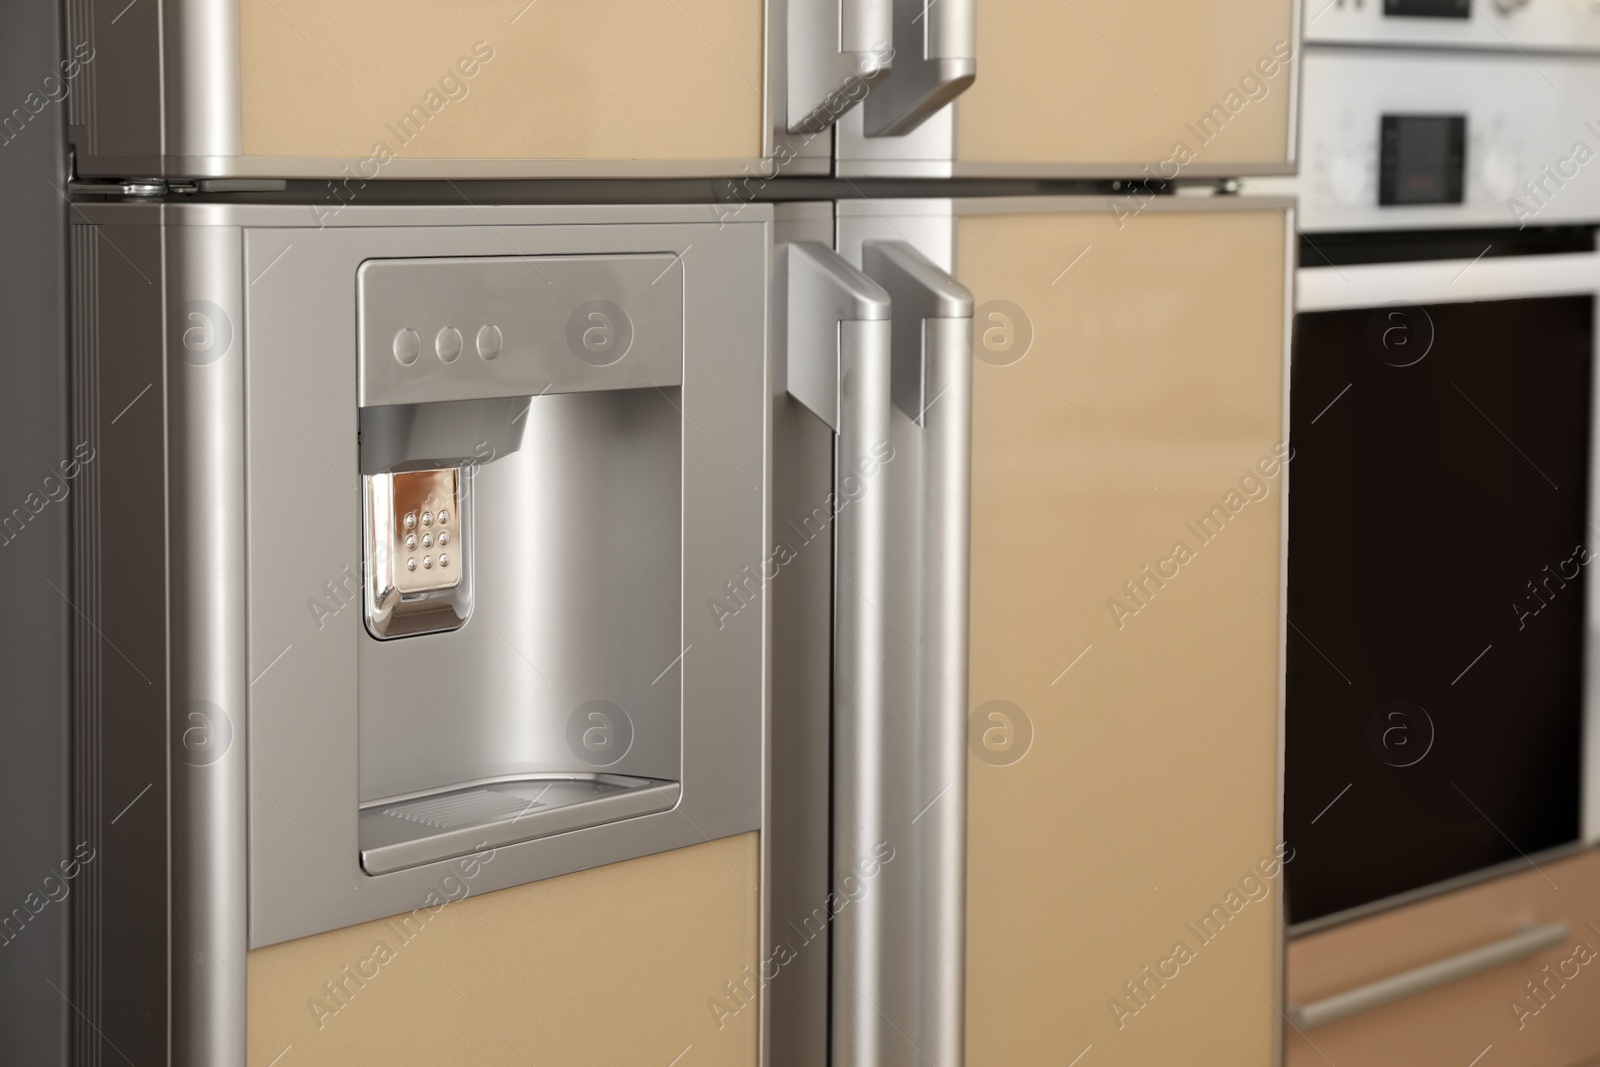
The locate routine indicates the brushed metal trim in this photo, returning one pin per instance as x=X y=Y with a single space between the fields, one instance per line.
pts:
x=208 y=651
x=122 y=912
x=87 y=971
x=362 y=216
x=291 y=167
x=943 y=168
x=895 y=168
x=1418 y=980
x=1048 y=205
x=796 y=831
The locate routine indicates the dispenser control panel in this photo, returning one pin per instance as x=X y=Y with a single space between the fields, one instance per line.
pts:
x=423 y=521
x=418 y=544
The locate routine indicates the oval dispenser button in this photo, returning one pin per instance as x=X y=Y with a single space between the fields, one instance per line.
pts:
x=448 y=344
x=407 y=347
x=489 y=341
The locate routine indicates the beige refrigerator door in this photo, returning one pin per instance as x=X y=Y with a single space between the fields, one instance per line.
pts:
x=370 y=89
x=636 y=962
x=606 y=79
x=1128 y=486
x=1106 y=89
x=1197 y=86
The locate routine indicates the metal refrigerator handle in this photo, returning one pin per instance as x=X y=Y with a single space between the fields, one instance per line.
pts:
x=837 y=339
x=838 y=51
x=935 y=59
x=931 y=349
x=1524 y=943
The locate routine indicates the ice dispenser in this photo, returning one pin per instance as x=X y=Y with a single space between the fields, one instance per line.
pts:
x=502 y=532
x=532 y=453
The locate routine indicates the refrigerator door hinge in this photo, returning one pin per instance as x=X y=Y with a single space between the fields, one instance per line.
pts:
x=132 y=188
x=156 y=188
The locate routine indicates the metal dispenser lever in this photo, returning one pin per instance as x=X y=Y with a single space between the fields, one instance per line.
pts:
x=936 y=58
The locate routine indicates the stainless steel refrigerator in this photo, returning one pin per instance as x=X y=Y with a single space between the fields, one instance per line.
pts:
x=815 y=601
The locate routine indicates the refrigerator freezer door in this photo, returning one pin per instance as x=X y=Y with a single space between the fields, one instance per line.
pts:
x=1127 y=546
x=267 y=771
x=1103 y=89
x=411 y=88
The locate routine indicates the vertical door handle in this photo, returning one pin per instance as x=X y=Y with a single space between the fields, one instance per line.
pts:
x=838 y=51
x=837 y=361
x=931 y=357
x=935 y=59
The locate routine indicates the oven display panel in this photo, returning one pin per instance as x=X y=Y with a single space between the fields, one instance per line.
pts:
x=1423 y=160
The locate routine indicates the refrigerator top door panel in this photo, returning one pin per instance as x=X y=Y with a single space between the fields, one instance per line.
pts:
x=1125 y=698
x=1099 y=89
x=412 y=89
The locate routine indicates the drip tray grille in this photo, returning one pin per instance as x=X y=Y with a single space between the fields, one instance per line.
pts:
x=401 y=832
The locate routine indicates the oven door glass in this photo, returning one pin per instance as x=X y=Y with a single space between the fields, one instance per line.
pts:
x=1437 y=571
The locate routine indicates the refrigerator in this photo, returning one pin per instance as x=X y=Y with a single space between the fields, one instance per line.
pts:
x=700 y=533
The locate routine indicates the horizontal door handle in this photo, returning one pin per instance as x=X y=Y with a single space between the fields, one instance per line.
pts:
x=1520 y=945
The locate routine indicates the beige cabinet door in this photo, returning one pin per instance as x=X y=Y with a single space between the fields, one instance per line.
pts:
x=1124 y=872
x=1186 y=86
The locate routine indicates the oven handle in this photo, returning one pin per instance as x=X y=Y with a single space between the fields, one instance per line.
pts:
x=1533 y=940
x=935 y=59
x=1446 y=281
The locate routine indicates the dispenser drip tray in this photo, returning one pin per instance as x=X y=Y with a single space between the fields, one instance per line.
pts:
x=417 y=828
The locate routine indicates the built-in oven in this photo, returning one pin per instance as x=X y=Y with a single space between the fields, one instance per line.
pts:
x=1442 y=527
x=1441 y=511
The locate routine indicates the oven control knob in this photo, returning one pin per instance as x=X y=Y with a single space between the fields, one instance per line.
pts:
x=1349 y=178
